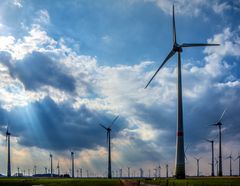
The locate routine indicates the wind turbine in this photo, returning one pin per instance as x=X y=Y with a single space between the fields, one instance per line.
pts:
x=177 y=48
x=159 y=171
x=58 y=168
x=219 y=124
x=8 y=134
x=128 y=172
x=108 y=129
x=51 y=164
x=230 y=164
x=212 y=146
x=197 y=159
x=238 y=163
x=35 y=169
x=166 y=170
x=72 y=156
x=217 y=164
x=81 y=172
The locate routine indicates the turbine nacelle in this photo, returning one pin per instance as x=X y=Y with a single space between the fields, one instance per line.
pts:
x=218 y=124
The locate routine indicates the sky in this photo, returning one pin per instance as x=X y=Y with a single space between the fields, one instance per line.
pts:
x=66 y=66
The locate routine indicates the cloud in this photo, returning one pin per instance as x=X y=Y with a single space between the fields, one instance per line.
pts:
x=47 y=125
x=186 y=7
x=219 y=8
x=42 y=17
x=17 y=3
x=37 y=70
x=193 y=8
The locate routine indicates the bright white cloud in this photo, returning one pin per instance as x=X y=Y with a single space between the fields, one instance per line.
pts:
x=18 y=3
x=219 y=8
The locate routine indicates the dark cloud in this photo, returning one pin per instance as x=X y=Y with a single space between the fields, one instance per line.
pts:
x=199 y=113
x=52 y=126
x=38 y=69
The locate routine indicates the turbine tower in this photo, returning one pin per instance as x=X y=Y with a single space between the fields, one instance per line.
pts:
x=8 y=134
x=51 y=165
x=230 y=164
x=72 y=156
x=177 y=48
x=166 y=170
x=108 y=129
x=219 y=124
x=159 y=171
x=217 y=164
x=212 y=164
x=128 y=172
x=197 y=159
x=238 y=163
x=58 y=168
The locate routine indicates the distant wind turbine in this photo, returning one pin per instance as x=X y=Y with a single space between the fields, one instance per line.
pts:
x=219 y=124
x=8 y=134
x=108 y=129
x=72 y=156
x=212 y=146
x=217 y=165
x=51 y=164
x=230 y=164
x=197 y=159
x=177 y=48
x=238 y=157
x=58 y=168
x=166 y=170
x=159 y=171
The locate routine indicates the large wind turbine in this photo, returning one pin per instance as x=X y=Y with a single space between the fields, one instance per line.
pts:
x=8 y=134
x=212 y=164
x=219 y=124
x=108 y=129
x=177 y=48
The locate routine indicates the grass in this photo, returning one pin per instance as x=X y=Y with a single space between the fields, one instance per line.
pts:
x=57 y=182
x=203 y=181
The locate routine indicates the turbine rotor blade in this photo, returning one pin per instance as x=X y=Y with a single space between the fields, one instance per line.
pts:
x=103 y=126
x=222 y=115
x=197 y=44
x=174 y=28
x=171 y=53
x=113 y=121
x=208 y=140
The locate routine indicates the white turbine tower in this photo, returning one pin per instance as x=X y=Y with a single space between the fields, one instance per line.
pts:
x=197 y=159
x=177 y=48
x=8 y=134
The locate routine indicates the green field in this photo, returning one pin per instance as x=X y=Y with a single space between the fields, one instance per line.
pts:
x=226 y=181
x=58 y=182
